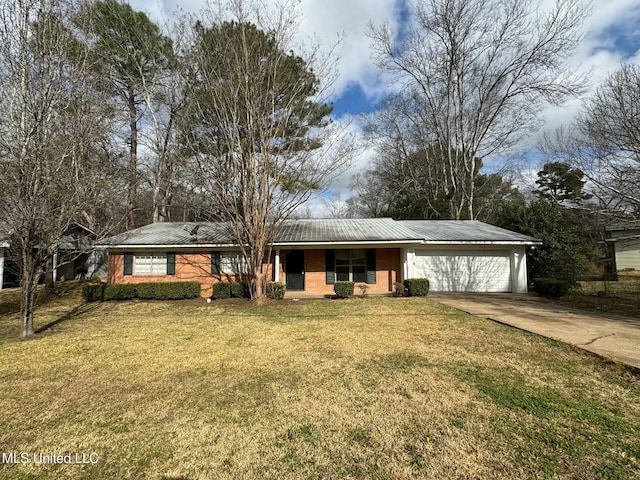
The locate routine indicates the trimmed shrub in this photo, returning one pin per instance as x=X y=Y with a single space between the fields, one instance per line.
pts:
x=119 y=291
x=551 y=287
x=93 y=293
x=221 y=290
x=178 y=290
x=343 y=289
x=276 y=290
x=168 y=290
x=144 y=291
x=417 y=287
x=239 y=290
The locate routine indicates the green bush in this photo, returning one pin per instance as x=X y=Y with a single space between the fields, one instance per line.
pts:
x=221 y=290
x=417 y=287
x=168 y=290
x=119 y=291
x=151 y=291
x=551 y=287
x=177 y=290
x=343 y=289
x=240 y=290
x=93 y=293
x=145 y=291
x=276 y=290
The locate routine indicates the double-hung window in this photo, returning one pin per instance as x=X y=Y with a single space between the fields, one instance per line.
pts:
x=149 y=264
x=351 y=265
x=228 y=262
x=356 y=265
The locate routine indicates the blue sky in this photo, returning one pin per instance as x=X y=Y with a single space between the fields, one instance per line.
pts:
x=612 y=36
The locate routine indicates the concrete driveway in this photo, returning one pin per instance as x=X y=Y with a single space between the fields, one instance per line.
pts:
x=612 y=336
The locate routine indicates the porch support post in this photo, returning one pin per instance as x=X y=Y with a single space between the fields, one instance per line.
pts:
x=1 y=266
x=54 y=273
x=276 y=266
x=411 y=261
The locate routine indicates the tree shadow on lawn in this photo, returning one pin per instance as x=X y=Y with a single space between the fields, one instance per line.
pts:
x=78 y=309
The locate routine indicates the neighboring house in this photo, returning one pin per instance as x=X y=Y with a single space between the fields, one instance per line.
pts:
x=75 y=258
x=311 y=255
x=625 y=239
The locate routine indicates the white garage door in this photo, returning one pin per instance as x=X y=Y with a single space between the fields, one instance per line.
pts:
x=465 y=271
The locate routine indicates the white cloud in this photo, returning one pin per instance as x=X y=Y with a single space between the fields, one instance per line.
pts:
x=325 y=19
x=328 y=18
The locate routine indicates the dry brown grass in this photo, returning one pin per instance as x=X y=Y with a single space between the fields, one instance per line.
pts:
x=621 y=297
x=364 y=388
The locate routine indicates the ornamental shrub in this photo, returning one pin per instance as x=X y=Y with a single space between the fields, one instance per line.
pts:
x=551 y=287
x=276 y=290
x=240 y=290
x=119 y=291
x=145 y=291
x=221 y=290
x=168 y=290
x=93 y=293
x=343 y=289
x=399 y=289
x=417 y=287
x=150 y=291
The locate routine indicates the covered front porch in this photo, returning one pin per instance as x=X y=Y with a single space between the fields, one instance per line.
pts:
x=314 y=271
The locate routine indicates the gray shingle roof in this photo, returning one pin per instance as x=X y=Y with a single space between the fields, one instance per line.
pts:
x=463 y=231
x=310 y=231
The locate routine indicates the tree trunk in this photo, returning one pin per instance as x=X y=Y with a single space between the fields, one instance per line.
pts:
x=29 y=285
x=133 y=163
x=259 y=284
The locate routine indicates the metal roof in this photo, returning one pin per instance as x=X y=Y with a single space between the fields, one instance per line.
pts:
x=343 y=230
x=323 y=231
x=435 y=231
x=623 y=237
x=174 y=233
x=624 y=225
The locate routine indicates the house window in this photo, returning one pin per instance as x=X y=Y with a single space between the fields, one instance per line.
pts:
x=351 y=265
x=232 y=262
x=150 y=264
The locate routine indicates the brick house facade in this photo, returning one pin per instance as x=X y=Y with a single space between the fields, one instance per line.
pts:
x=311 y=255
x=196 y=266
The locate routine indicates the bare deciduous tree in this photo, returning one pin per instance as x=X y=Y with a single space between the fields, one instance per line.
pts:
x=260 y=133
x=609 y=153
x=476 y=74
x=50 y=118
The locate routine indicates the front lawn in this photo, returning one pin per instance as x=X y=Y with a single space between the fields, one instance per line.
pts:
x=363 y=388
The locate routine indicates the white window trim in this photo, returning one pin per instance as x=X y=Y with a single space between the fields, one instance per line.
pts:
x=157 y=264
x=233 y=262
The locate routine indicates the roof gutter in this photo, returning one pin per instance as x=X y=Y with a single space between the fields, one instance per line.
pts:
x=481 y=242
x=293 y=245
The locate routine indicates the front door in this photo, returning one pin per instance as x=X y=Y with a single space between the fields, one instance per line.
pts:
x=295 y=270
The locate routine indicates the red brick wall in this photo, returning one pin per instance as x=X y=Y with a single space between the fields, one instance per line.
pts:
x=388 y=264
x=190 y=266
x=196 y=266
